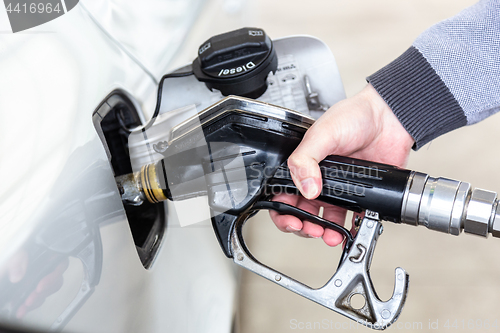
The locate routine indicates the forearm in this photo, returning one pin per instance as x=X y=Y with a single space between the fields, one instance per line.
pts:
x=449 y=78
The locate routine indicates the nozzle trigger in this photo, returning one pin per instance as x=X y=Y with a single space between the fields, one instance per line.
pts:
x=351 y=278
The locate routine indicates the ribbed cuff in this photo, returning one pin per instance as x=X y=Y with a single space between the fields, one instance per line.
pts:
x=417 y=96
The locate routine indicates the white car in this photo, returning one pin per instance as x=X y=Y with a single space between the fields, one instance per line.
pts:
x=72 y=256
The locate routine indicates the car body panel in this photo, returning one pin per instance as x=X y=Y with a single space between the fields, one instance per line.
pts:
x=61 y=207
x=151 y=31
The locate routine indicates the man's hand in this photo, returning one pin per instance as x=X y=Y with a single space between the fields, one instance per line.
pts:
x=16 y=270
x=362 y=127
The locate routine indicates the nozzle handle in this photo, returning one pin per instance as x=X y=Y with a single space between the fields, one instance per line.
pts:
x=354 y=184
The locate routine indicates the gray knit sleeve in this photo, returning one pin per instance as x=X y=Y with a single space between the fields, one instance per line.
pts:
x=450 y=77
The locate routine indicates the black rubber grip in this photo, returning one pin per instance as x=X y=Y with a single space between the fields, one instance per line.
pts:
x=354 y=184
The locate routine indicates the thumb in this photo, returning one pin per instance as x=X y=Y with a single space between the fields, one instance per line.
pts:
x=305 y=174
x=317 y=143
x=345 y=128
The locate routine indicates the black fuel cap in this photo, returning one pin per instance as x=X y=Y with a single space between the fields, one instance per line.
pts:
x=237 y=62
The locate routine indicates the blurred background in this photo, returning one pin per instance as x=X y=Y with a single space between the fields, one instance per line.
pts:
x=454 y=281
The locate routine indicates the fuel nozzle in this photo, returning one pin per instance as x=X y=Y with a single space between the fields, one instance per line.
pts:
x=450 y=206
x=409 y=197
x=243 y=156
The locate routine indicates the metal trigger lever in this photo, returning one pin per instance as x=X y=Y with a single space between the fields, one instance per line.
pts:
x=351 y=278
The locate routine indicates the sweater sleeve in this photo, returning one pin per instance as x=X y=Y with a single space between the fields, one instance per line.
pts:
x=449 y=77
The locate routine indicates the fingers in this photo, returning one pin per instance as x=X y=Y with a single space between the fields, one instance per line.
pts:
x=332 y=238
x=304 y=169
x=305 y=174
x=286 y=223
x=47 y=286
x=310 y=230
x=318 y=142
x=289 y=223
x=337 y=215
x=52 y=282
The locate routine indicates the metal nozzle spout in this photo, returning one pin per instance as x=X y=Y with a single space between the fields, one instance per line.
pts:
x=450 y=206
x=130 y=189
